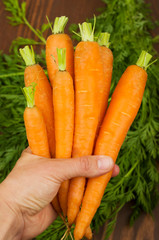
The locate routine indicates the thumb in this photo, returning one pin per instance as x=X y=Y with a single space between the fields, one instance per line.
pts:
x=87 y=166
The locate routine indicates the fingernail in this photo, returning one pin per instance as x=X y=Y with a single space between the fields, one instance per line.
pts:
x=105 y=163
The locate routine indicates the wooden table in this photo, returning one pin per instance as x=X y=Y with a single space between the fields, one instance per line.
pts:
x=145 y=227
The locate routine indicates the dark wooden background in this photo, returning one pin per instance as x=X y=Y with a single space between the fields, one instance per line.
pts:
x=145 y=227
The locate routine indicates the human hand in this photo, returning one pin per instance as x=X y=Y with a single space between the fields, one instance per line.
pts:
x=26 y=193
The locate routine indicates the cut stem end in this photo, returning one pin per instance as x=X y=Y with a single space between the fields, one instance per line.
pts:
x=28 y=55
x=61 y=55
x=103 y=39
x=59 y=24
x=87 y=34
x=144 y=60
x=29 y=93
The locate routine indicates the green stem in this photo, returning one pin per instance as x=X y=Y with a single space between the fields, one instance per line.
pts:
x=28 y=55
x=11 y=74
x=126 y=175
x=87 y=34
x=34 y=31
x=50 y=25
x=103 y=39
x=59 y=24
x=61 y=54
x=131 y=170
x=15 y=74
x=143 y=60
x=29 y=95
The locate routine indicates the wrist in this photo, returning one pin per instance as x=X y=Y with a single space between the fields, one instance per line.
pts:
x=11 y=221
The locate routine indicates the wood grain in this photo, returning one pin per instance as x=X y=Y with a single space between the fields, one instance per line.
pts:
x=145 y=228
x=77 y=11
x=154 y=6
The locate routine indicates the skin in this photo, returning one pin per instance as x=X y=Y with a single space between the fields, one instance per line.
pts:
x=26 y=193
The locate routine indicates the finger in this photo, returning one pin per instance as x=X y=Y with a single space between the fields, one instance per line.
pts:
x=87 y=166
x=34 y=225
x=116 y=171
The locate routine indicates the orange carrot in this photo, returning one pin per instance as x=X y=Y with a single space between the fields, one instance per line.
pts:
x=122 y=111
x=43 y=94
x=56 y=205
x=88 y=233
x=88 y=70
x=63 y=196
x=104 y=83
x=35 y=126
x=58 y=40
x=63 y=102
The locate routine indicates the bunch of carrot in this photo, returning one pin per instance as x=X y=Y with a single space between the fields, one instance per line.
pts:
x=70 y=117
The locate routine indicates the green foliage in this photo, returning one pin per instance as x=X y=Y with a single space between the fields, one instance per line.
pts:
x=58 y=230
x=20 y=41
x=12 y=137
x=129 y=23
x=18 y=11
x=18 y=16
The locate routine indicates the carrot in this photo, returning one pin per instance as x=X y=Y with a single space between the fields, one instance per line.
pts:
x=63 y=196
x=63 y=102
x=122 y=111
x=35 y=126
x=104 y=83
x=36 y=131
x=88 y=233
x=59 y=40
x=88 y=70
x=56 y=205
x=34 y=73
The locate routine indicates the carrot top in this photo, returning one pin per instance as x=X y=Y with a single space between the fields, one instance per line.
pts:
x=61 y=55
x=103 y=39
x=28 y=55
x=59 y=24
x=29 y=95
x=86 y=31
x=144 y=59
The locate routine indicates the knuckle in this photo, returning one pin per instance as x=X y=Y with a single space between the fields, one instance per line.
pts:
x=85 y=163
x=55 y=169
